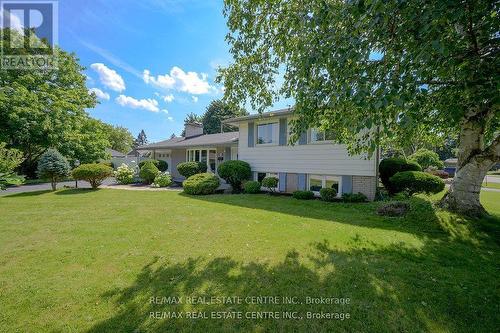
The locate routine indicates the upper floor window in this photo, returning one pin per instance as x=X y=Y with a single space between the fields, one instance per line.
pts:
x=318 y=136
x=267 y=133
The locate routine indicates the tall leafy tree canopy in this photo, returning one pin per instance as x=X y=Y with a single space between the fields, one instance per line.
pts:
x=40 y=109
x=377 y=65
x=218 y=111
x=120 y=138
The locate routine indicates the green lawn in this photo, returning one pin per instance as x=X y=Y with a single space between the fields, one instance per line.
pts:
x=491 y=185
x=90 y=261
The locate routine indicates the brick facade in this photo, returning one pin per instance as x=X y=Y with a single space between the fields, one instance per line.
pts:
x=365 y=185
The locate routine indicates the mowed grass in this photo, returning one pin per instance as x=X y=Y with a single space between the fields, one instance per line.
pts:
x=90 y=261
x=491 y=185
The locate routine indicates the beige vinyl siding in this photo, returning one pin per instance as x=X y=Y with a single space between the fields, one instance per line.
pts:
x=314 y=158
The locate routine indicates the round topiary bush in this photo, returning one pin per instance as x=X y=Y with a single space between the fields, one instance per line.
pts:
x=162 y=180
x=328 y=194
x=426 y=158
x=124 y=174
x=235 y=173
x=252 y=187
x=271 y=183
x=188 y=169
x=303 y=195
x=148 y=172
x=416 y=182
x=388 y=167
x=202 y=183
x=52 y=165
x=162 y=165
x=92 y=173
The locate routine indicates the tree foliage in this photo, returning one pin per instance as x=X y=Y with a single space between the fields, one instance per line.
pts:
x=427 y=158
x=141 y=139
x=120 y=138
x=218 y=111
x=10 y=159
x=94 y=173
x=40 y=109
x=376 y=65
x=53 y=166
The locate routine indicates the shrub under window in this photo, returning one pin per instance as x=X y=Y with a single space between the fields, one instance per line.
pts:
x=271 y=183
x=202 y=183
x=303 y=195
x=188 y=169
x=162 y=180
x=354 y=197
x=328 y=194
x=252 y=187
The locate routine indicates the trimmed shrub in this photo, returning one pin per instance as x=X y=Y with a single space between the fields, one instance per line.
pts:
x=426 y=158
x=354 y=197
x=270 y=183
x=155 y=162
x=124 y=174
x=394 y=208
x=188 y=169
x=92 y=173
x=107 y=163
x=328 y=194
x=202 y=183
x=235 y=173
x=52 y=165
x=416 y=182
x=303 y=195
x=252 y=187
x=148 y=172
x=388 y=167
x=162 y=165
x=162 y=180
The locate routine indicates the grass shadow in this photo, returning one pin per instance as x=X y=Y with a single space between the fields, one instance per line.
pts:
x=26 y=194
x=391 y=289
x=73 y=191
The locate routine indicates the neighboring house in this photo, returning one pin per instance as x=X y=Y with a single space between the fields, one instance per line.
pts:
x=114 y=153
x=311 y=163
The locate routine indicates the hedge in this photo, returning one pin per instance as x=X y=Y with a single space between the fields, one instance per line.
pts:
x=202 y=183
x=270 y=183
x=328 y=194
x=303 y=195
x=416 y=182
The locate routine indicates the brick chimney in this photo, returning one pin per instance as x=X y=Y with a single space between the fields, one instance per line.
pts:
x=193 y=129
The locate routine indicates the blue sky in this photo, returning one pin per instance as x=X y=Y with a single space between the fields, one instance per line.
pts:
x=150 y=61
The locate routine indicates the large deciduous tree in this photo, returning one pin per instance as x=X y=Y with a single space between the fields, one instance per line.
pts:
x=356 y=65
x=43 y=108
x=120 y=138
x=218 y=111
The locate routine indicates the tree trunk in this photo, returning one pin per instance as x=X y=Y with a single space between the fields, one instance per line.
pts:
x=54 y=184
x=474 y=161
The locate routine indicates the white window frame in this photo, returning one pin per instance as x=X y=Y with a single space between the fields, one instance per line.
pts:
x=275 y=134
x=310 y=136
x=191 y=157
x=323 y=183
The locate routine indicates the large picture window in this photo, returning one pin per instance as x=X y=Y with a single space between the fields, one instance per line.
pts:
x=208 y=156
x=317 y=182
x=267 y=133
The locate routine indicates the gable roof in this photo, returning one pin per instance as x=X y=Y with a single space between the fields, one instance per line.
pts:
x=195 y=141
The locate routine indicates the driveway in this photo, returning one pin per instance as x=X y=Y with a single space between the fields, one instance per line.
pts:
x=47 y=186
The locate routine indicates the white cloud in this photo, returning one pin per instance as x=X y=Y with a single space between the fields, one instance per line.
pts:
x=164 y=111
x=146 y=104
x=170 y=118
x=99 y=93
x=109 y=77
x=195 y=99
x=189 y=82
x=168 y=98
